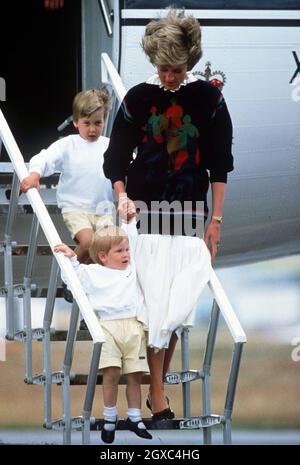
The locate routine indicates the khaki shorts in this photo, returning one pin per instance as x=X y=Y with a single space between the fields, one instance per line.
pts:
x=125 y=345
x=76 y=221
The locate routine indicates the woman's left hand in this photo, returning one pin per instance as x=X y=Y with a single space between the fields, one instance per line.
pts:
x=212 y=238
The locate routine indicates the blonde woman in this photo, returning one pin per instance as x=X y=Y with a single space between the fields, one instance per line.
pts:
x=182 y=130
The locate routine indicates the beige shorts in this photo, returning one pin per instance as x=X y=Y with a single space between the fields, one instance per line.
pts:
x=76 y=221
x=125 y=346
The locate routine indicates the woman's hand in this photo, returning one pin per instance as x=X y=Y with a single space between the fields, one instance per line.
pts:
x=212 y=238
x=65 y=249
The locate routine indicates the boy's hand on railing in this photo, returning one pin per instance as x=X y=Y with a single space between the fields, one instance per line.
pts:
x=33 y=180
x=65 y=249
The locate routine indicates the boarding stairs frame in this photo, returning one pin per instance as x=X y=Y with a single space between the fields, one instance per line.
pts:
x=65 y=377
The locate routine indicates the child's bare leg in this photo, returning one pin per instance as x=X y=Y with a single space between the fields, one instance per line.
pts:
x=111 y=376
x=133 y=389
x=83 y=239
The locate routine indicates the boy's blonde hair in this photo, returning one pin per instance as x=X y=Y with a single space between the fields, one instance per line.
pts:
x=174 y=40
x=87 y=102
x=103 y=240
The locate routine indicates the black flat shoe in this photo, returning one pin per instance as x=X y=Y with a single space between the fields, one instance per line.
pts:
x=108 y=436
x=166 y=414
x=148 y=402
x=141 y=432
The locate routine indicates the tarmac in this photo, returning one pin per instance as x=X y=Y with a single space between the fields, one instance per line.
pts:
x=161 y=438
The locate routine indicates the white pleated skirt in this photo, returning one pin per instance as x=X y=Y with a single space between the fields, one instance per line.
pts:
x=172 y=272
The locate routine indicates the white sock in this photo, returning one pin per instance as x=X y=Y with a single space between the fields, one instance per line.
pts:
x=110 y=414
x=135 y=415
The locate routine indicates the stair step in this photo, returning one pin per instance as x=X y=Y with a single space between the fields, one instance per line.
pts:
x=78 y=379
x=96 y=424
x=61 y=335
x=205 y=421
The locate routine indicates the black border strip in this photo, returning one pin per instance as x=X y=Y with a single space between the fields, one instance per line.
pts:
x=225 y=22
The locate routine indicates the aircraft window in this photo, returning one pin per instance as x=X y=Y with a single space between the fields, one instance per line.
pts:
x=216 y=4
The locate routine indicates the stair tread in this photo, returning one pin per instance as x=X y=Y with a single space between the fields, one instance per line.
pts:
x=61 y=335
x=150 y=425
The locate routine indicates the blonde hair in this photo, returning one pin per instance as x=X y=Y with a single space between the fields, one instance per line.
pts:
x=87 y=102
x=174 y=40
x=104 y=239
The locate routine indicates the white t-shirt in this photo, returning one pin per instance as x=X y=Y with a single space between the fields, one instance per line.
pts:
x=113 y=294
x=82 y=185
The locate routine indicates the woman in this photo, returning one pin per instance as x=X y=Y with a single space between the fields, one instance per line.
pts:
x=181 y=129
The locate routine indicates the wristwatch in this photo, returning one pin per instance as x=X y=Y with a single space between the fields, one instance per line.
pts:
x=219 y=219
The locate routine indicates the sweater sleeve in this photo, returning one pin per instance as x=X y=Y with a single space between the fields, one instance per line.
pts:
x=124 y=139
x=49 y=160
x=220 y=136
x=80 y=270
x=131 y=231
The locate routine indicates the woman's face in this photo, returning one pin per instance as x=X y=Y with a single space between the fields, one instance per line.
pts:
x=171 y=76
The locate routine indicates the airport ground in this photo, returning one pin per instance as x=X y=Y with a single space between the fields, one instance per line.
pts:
x=266 y=411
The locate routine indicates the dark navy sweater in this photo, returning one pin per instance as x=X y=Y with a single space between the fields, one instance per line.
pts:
x=180 y=137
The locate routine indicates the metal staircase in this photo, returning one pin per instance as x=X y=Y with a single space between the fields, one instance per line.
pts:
x=18 y=298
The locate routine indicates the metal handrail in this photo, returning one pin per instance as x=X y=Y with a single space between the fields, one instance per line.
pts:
x=226 y=309
x=51 y=233
x=109 y=75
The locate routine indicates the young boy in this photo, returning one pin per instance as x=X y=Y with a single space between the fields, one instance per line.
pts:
x=84 y=194
x=111 y=286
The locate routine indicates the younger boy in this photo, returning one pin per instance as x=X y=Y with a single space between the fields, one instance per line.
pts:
x=111 y=286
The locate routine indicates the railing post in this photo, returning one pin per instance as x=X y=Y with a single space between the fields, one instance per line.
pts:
x=8 y=267
x=90 y=392
x=231 y=387
x=27 y=298
x=67 y=369
x=48 y=315
x=209 y=350
x=186 y=387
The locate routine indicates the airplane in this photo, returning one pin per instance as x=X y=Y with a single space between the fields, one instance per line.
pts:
x=251 y=51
